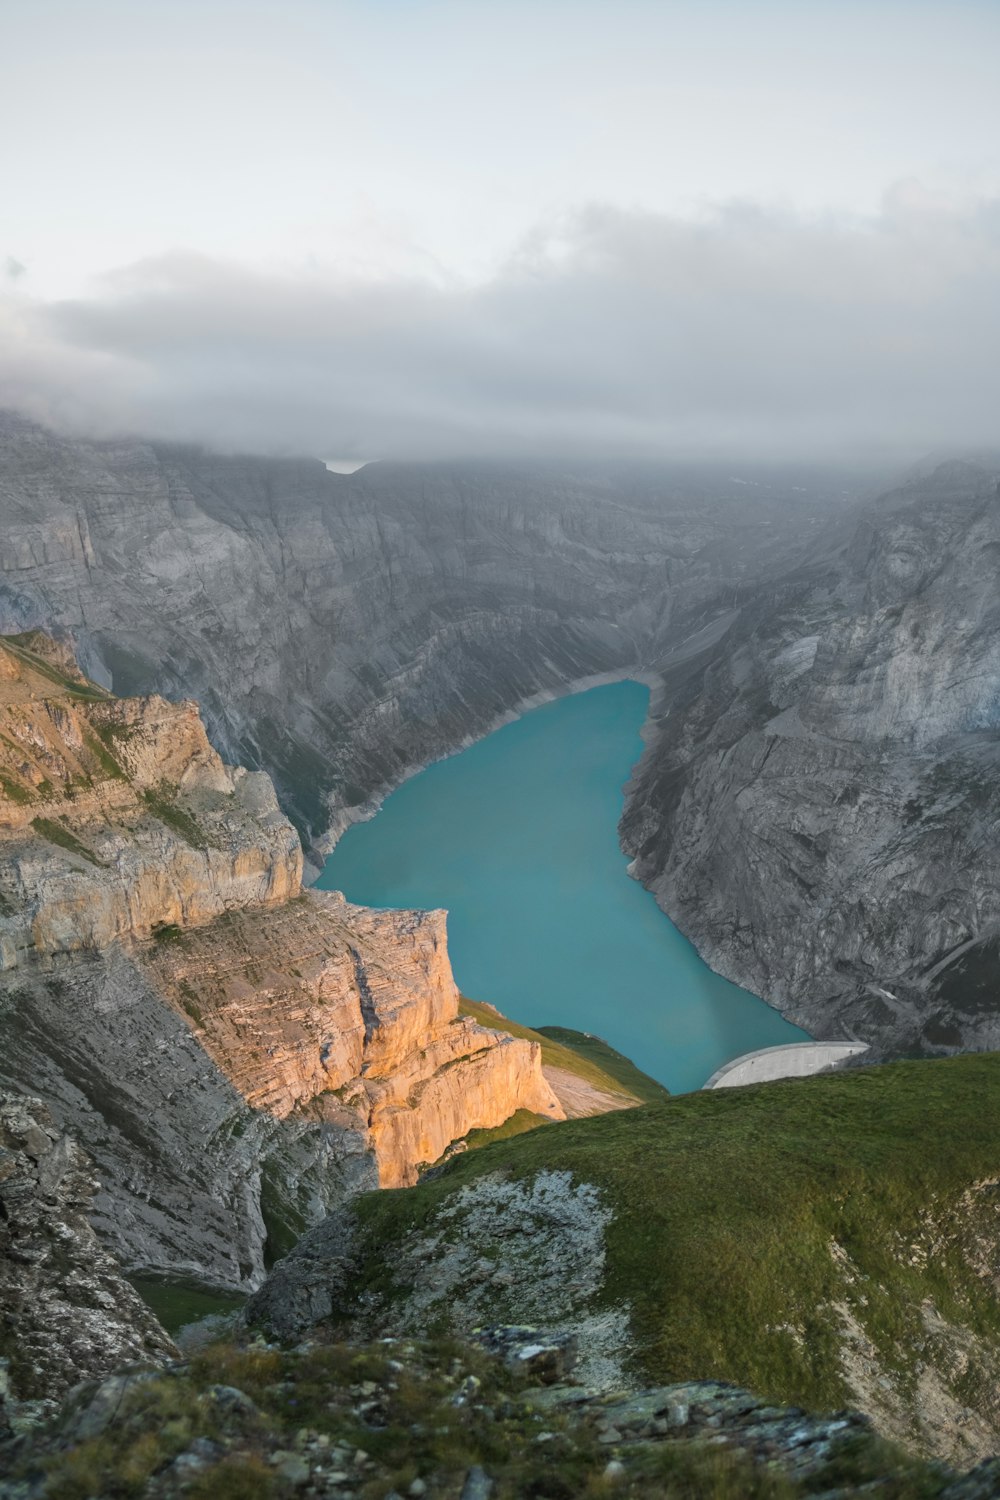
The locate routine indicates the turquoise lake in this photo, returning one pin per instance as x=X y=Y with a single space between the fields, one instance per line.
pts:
x=517 y=837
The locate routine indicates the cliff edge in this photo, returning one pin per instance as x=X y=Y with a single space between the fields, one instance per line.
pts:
x=238 y=1055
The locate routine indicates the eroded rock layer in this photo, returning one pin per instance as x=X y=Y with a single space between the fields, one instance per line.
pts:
x=353 y=1013
x=117 y=816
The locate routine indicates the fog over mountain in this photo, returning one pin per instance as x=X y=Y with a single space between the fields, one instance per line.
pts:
x=447 y=230
x=746 y=330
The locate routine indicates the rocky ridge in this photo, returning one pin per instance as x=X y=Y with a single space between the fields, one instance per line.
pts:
x=117 y=817
x=352 y=1013
x=66 y=1312
x=237 y=1054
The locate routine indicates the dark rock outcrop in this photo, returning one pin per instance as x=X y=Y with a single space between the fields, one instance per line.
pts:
x=66 y=1311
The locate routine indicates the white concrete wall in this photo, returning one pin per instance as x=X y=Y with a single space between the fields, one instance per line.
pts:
x=795 y=1060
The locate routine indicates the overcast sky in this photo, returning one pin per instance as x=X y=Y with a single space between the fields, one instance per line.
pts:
x=362 y=228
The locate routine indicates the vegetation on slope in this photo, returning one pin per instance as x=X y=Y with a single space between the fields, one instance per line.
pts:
x=432 y=1418
x=162 y=805
x=575 y=1052
x=747 y=1223
x=177 y=1303
x=615 y=1065
x=48 y=828
x=43 y=655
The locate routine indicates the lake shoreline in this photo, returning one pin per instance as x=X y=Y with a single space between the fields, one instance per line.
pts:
x=517 y=837
x=363 y=812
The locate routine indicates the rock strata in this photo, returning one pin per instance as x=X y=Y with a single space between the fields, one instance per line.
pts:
x=350 y=1014
x=118 y=817
x=238 y=1055
x=222 y=1075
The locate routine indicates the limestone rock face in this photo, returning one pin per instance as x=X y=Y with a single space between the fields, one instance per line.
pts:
x=324 y=1006
x=195 y=1182
x=66 y=1311
x=819 y=807
x=479 y=1079
x=222 y=1080
x=239 y=1056
x=117 y=816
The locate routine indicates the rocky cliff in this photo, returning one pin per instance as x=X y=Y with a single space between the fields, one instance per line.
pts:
x=238 y=1055
x=66 y=1311
x=352 y=1016
x=818 y=807
x=340 y=630
x=117 y=816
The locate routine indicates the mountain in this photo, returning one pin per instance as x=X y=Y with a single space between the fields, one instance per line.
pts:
x=818 y=806
x=339 y=631
x=815 y=806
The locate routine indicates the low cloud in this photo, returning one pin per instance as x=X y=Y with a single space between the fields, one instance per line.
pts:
x=607 y=333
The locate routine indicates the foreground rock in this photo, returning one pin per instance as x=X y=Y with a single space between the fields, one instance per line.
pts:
x=66 y=1312
x=423 y=1418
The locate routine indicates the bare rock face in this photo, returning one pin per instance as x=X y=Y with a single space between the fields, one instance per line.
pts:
x=237 y=1081
x=238 y=1055
x=117 y=816
x=321 y=1006
x=195 y=1182
x=66 y=1311
x=818 y=809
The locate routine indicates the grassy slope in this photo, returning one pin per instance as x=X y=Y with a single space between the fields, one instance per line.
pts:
x=176 y=1303
x=423 y=1428
x=616 y=1065
x=593 y=1061
x=28 y=647
x=726 y=1204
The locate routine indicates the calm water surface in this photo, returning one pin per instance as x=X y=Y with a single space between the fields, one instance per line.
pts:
x=517 y=837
